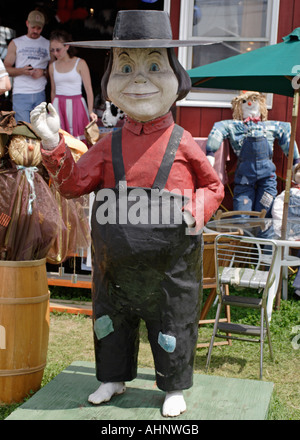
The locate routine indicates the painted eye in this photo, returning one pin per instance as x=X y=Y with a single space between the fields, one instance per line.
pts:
x=154 y=67
x=126 y=69
x=244 y=101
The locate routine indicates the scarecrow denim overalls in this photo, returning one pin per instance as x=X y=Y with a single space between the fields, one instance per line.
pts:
x=255 y=185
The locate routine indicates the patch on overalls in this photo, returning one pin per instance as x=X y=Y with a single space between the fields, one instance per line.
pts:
x=103 y=326
x=244 y=180
x=167 y=342
x=266 y=199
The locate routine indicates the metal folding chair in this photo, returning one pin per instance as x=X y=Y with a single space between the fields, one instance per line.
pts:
x=229 y=214
x=244 y=263
x=210 y=282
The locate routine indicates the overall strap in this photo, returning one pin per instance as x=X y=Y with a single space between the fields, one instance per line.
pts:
x=117 y=156
x=165 y=166
x=168 y=159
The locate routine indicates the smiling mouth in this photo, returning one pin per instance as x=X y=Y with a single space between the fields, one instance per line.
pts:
x=140 y=95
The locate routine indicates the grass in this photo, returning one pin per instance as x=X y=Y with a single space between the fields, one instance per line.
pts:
x=71 y=339
x=68 y=293
x=241 y=360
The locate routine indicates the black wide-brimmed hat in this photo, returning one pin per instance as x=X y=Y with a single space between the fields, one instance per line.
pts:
x=141 y=29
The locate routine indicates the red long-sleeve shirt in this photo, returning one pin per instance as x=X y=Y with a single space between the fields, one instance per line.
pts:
x=143 y=147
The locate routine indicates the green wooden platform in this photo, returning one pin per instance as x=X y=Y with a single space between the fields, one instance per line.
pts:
x=211 y=398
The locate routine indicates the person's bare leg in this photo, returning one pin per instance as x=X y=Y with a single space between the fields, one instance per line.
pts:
x=174 y=404
x=106 y=391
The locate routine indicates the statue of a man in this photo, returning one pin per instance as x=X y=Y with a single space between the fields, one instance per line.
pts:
x=143 y=267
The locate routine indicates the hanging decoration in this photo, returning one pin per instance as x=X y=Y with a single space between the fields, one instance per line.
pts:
x=66 y=12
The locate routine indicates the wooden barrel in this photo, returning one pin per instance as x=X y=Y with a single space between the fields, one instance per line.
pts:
x=24 y=327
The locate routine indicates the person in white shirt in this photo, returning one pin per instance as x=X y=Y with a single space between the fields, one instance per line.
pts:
x=26 y=61
x=5 y=84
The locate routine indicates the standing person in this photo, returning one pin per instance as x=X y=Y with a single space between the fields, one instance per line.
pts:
x=67 y=74
x=26 y=61
x=143 y=268
x=5 y=84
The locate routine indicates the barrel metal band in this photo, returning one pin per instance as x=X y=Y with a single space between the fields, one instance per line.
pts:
x=29 y=300
x=21 y=371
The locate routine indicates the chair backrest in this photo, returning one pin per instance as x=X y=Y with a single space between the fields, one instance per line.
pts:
x=245 y=262
x=228 y=214
x=209 y=273
x=209 y=269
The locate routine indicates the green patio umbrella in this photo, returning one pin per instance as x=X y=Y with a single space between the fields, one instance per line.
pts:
x=270 y=69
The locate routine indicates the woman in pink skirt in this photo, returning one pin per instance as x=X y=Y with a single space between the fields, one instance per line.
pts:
x=67 y=74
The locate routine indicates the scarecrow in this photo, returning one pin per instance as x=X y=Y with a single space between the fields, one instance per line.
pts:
x=73 y=236
x=293 y=214
x=29 y=214
x=152 y=186
x=252 y=138
x=24 y=146
x=293 y=209
x=7 y=124
x=36 y=221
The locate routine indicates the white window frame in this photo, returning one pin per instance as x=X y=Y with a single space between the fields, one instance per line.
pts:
x=203 y=99
x=167 y=6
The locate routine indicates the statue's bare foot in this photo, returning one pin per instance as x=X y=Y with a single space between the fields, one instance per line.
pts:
x=105 y=392
x=174 y=404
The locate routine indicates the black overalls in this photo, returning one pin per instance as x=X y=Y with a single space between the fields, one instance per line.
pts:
x=150 y=270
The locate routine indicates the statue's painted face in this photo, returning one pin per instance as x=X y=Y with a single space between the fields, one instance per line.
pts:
x=142 y=82
x=250 y=107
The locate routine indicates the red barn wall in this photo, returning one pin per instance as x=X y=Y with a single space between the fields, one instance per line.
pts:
x=199 y=120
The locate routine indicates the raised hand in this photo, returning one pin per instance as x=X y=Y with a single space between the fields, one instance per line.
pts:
x=45 y=121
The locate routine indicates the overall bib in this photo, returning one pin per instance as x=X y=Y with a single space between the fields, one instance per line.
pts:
x=255 y=185
x=145 y=267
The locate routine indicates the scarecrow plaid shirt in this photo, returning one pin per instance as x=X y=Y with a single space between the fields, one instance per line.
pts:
x=236 y=131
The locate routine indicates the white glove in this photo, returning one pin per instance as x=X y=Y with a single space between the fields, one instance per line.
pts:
x=46 y=123
x=211 y=160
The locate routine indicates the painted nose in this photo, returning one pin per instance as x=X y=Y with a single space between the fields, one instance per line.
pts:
x=249 y=103
x=140 y=78
x=30 y=147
